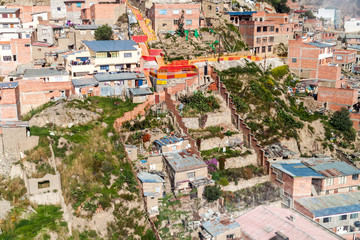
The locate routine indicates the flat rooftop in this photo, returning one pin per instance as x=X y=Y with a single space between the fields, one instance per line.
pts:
x=181 y=161
x=104 y=77
x=111 y=45
x=319 y=44
x=168 y=140
x=43 y=72
x=217 y=226
x=8 y=85
x=264 y=222
x=146 y=177
x=334 y=204
x=84 y=82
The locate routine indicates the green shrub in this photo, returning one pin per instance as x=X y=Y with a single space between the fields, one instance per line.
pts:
x=223 y=181
x=212 y=193
x=280 y=72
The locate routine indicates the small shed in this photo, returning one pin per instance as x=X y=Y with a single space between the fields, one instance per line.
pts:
x=139 y=95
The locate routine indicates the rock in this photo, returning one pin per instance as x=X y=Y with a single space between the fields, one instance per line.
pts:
x=15 y=171
x=99 y=110
x=70 y=125
x=104 y=125
x=110 y=134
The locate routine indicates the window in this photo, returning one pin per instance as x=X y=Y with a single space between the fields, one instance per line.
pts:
x=258 y=29
x=342 y=180
x=327 y=219
x=113 y=54
x=14 y=57
x=176 y=22
x=263 y=49
x=209 y=7
x=287 y=29
x=272 y=28
x=339 y=57
x=6 y=47
x=264 y=39
x=44 y=31
x=157 y=189
x=27 y=45
x=265 y=29
x=59 y=9
x=343 y=217
x=5 y=25
x=27 y=36
x=188 y=11
x=230 y=236
x=4 y=16
x=271 y=39
x=190 y=174
x=357 y=24
x=258 y=40
x=269 y=48
x=127 y=55
x=163 y=12
x=104 y=67
x=293 y=60
x=355 y=176
x=285 y=19
x=78 y=5
x=176 y=11
x=188 y=22
x=7 y=58
x=277 y=30
x=329 y=181
x=354 y=215
x=101 y=55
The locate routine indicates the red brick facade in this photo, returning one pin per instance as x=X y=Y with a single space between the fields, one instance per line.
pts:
x=336 y=98
x=10 y=103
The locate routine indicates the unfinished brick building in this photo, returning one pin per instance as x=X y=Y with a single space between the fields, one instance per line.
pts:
x=9 y=101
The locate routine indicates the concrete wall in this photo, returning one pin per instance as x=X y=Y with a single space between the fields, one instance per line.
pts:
x=49 y=195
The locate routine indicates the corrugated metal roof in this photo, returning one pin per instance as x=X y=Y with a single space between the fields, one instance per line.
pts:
x=86 y=27
x=8 y=10
x=181 y=161
x=140 y=91
x=263 y=223
x=241 y=13
x=118 y=76
x=296 y=169
x=167 y=140
x=331 y=167
x=14 y=124
x=82 y=82
x=43 y=72
x=9 y=84
x=334 y=204
x=217 y=227
x=146 y=177
x=319 y=44
x=111 y=45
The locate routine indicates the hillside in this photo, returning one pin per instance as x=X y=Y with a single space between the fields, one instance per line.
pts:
x=262 y=101
x=348 y=7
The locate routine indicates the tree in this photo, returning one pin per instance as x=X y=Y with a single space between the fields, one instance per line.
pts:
x=344 y=40
x=103 y=32
x=340 y=120
x=212 y=193
x=309 y=14
x=280 y=6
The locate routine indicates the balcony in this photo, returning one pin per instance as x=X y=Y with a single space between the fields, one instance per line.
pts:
x=10 y=20
x=82 y=66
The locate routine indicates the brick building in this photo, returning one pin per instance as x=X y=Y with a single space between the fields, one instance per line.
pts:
x=345 y=58
x=301 y=178
x=312 y=25
x=337 y=98
x=305 y=57
x=9 y=101
x=186 y=171
x=339 y=212
x=165 y=17
x=263 y=32
x=13 y=53
x=99 y=14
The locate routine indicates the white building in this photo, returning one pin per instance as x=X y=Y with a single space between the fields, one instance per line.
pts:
x=103 y=56
x=352 y=25
x=332 y=15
